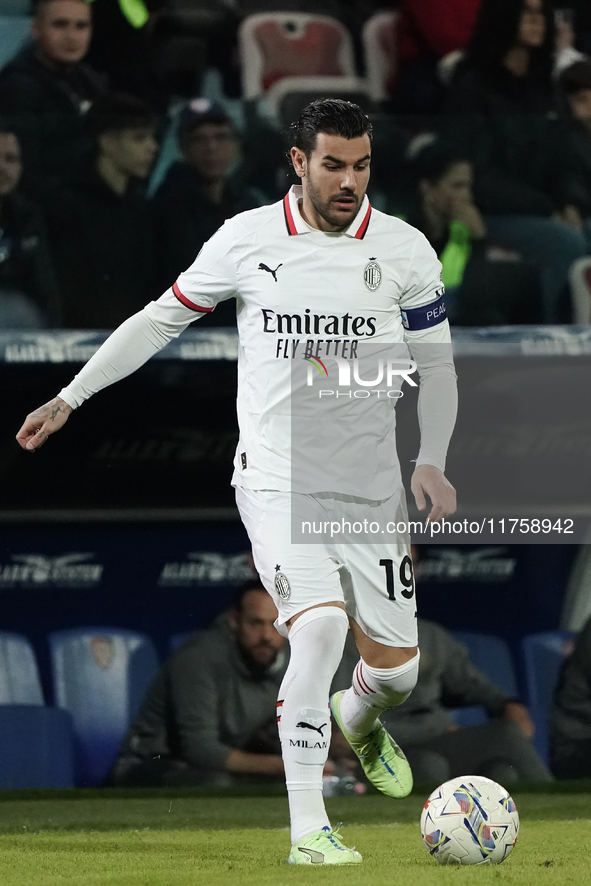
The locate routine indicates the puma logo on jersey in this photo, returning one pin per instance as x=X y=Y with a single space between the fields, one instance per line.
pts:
x=309 y=726
x=263 y=267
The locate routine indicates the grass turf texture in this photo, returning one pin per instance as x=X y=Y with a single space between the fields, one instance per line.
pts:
x=188 y=839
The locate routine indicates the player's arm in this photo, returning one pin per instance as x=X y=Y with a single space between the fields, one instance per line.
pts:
x=428 y=336
x=209 y=280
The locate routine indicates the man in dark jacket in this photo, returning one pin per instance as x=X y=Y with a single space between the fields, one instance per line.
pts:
x=28 y=293
x=46 y=90
x=570 y=719
x=436 y=747
x=210 y=713
x=198 y=193
x=101 y=227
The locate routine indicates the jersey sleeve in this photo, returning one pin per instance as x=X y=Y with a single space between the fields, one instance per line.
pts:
x=422 y=304
x=212 y=276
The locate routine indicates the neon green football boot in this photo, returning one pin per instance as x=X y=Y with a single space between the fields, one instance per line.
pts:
x=383 y=761
x=323 y=847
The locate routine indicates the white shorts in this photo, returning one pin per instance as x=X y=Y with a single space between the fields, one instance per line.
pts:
x=374 y=581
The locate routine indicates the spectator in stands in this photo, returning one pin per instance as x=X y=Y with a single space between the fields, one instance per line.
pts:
x=199 y=192
x=479 y=291
x=436 y=747
x=210 y=714
x=46 y=90
x=570 y=719
x=575 y=82
x=101 y=226
x=502 y=105
x=28 y=292
x=426 y=31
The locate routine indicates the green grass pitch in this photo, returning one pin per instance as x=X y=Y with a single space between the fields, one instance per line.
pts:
x=159 y=838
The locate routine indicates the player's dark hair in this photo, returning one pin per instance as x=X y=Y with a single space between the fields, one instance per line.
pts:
x=576 y=77
x=253 y=584
x=432 y=162
x=332 y=116
x=113 y=112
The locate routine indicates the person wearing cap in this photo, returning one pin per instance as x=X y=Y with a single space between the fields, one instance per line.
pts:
x=201 y=190
x=101 y=226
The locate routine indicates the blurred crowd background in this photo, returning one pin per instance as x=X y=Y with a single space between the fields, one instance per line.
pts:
x=130 y=129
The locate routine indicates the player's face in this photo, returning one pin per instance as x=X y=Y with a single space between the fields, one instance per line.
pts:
x=10 y=163
x=211 y=149
x=334 y=179
x=62 y=31
x=132 y=151
x=255 y=633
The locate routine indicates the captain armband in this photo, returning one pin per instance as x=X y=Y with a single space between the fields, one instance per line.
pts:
x=425 y=316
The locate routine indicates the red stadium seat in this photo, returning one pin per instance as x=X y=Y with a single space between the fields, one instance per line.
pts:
x=285 y=44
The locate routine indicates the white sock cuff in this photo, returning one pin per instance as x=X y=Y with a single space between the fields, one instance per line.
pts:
x=311 y=615
x=382 y=675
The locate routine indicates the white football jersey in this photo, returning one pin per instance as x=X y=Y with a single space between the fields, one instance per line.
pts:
x=303 y=293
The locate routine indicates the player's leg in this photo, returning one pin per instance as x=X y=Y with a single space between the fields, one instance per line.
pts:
x=380 y=598
x=305 y=585
x=316 y=637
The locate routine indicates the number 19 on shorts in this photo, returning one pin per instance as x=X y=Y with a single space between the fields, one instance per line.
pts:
x=405 y=583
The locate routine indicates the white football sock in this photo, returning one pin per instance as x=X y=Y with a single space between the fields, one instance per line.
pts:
x=375 y=690
x=316 y=639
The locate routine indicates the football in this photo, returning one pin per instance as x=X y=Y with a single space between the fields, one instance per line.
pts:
x=470 y=820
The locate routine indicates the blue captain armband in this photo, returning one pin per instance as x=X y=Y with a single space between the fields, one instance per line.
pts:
x=425 y=316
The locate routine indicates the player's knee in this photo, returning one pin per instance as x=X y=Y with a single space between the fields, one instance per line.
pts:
x=396 y=684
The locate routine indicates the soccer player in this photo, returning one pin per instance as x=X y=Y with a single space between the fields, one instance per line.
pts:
x=320 y=266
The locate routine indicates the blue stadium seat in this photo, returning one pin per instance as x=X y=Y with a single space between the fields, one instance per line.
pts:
x=35 y=747
x=15 y=31
x=177 y=640
x=19 y=676
x=100 y=675
x=493 y=657
x=543 y=655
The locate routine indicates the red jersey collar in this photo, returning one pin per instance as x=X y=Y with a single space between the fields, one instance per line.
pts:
x=295 y=224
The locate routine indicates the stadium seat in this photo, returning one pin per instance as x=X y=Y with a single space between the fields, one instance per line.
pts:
x=100 y=675
x=543 y=655
x=379 y=50
x=19 y=676
x=292 y=44
x=286 y=98
x=35 y=747
x=177 y=640
x=492 y=656
x=15 y=31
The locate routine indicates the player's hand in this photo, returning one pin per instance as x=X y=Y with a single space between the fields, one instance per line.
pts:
x=428 y=480
x=39 y=425
x=519 y=715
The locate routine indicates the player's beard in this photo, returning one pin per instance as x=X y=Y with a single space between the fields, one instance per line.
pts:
x=323 y=207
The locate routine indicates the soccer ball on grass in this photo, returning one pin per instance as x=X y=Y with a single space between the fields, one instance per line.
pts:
x=470 y=820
